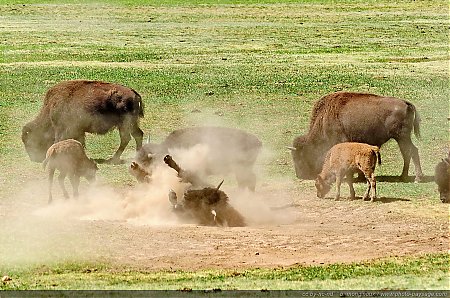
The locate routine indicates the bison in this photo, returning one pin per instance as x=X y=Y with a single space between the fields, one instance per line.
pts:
x=442 y=178
x=72 y=108
x=68 y=156
x=208 y=206
x=342 y=160
x=356 y=117
x=205 y=204
x=231 y=150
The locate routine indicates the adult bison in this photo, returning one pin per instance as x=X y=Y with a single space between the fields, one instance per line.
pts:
x=230 y=150
x=442 y=178
x=72 y=108
x=205 y=204
x=356 y=117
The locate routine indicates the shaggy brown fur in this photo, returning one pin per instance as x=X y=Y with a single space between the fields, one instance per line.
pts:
x=72 y=108
x=207 y=205
x=356 y=117
x=343 y=160
x=69 y=158
x=210 y=206
x=442 y=178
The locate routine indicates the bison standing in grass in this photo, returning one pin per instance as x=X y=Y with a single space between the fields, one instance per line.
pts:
x=72 y=108
x=230 y=150
x=356 y=117
x=442 y=178
x=69 y=158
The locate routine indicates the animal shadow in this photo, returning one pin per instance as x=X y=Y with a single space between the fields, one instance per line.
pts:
x=391 y=199
x=378 y=199
x=398 y=179
x=394 y=179
x=109 y=162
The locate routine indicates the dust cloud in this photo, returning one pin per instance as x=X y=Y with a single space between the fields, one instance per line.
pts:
x=34 y=232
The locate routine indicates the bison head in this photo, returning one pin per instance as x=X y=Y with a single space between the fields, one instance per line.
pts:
x=148 y=154
x=322 y=187
x=89 y=170
x=307 y=159
x=37 y=140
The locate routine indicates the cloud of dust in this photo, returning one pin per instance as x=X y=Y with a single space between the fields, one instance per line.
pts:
x=33 y=231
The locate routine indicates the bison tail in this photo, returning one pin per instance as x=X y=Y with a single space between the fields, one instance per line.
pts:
x=379 y=157
x=140 y=103
x=416 y=123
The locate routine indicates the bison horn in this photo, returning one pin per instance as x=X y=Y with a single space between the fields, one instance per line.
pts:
x=291 y=148
x=220 y=184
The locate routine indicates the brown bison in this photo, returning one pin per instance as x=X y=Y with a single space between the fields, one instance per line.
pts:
x=231 y=150
x=442 y=178
x=72 y=108
x=356 y=117
x=343 y=160
x=204 y=204
x=69 y=158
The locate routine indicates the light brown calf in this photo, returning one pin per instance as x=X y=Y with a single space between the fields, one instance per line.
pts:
x=69 y=157
x=343 y=160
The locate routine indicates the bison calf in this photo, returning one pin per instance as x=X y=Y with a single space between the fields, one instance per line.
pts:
x=442 y=178
x=345 y=159
x=68 y=156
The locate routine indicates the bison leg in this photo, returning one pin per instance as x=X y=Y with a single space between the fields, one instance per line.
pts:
x=61 y=178
x=75 y=181
x=366 y=194
x=350 y=185
x=51 y=173
x=408 y=150
x=338 y=186
x=373 y=186
x=125 y=138
x=137 y=134
x=246 y=179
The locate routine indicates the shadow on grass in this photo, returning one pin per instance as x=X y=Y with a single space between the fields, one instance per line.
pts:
x=111 y=162
x=396 y=179
x=378 y=199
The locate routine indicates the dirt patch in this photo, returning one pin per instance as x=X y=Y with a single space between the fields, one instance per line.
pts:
x=286 y=227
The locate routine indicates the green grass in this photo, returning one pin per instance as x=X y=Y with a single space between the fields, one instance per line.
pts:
x=425 y=272
x=258 y=65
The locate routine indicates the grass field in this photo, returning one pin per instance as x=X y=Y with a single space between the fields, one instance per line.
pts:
x=257 y=65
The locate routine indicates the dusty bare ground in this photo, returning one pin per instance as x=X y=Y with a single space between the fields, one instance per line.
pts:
x=302 y=229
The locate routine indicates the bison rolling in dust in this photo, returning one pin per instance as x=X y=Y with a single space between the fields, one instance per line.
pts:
x=72 y=108
x=231 y=150
x=207 y=205
x=442 y=178
x=69 y=158
x=356 y=117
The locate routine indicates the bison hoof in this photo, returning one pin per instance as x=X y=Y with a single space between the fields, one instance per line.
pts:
x=418 y=179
